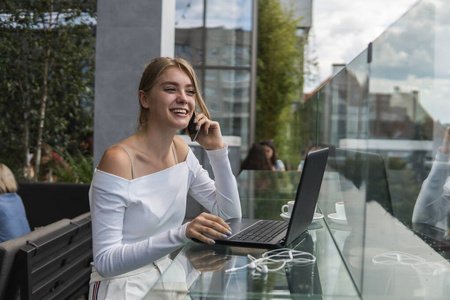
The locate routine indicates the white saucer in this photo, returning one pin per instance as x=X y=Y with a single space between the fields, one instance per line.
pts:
x=316 y=217
x=285 y=217
x=338 y=220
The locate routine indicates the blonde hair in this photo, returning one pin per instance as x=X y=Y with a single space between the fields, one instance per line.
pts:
x=8 y=183
x=151 y=74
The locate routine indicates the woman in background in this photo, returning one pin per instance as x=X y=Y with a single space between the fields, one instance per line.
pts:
x=256 y=159
x=13 y=220
x=272 y=156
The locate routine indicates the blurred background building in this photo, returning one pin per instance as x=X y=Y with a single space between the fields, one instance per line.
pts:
x=218 y=39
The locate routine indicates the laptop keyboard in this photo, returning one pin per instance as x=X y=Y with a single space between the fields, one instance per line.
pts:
x=262 y=231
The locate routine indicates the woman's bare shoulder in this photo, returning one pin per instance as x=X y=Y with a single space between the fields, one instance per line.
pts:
x=116 y=161
x=181 y=147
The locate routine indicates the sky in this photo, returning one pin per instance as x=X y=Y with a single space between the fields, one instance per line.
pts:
x=413 y=56
x=342 y=29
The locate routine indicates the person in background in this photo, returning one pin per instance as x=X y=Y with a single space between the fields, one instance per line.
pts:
x=50 y=161
x=272 y=156
x=433 y=203
x=311 y=149
x=139 y=189
x=87 y=145
x=13 y=219
x=256 y=159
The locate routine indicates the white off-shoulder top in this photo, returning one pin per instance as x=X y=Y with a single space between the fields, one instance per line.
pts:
x=135 y=222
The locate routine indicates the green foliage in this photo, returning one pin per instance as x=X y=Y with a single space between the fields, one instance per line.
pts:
x=280 y=74
x=47 y=51
x=77 y=168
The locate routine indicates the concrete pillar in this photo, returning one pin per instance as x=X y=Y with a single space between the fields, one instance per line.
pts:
x=129 y=35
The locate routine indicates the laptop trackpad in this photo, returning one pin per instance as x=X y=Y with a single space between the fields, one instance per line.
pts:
x=237 y=225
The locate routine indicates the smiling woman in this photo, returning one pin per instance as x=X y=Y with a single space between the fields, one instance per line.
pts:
x=151 y=76
x=139 y=189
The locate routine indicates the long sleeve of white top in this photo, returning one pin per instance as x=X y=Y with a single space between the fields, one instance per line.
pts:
x=117 y=215
x=223 y=188
x=433 y=201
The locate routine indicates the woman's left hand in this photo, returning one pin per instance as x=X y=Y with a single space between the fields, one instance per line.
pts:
x=206 y=260
x=210 y=136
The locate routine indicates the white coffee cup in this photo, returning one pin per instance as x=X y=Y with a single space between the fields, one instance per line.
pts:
x=340 y=210
x=289 y=207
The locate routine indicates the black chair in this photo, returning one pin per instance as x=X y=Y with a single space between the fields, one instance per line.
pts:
x=8 y=254
x=46 y=203
x=58 y=265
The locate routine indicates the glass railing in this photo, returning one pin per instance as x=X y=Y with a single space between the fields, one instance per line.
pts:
x=386 y=118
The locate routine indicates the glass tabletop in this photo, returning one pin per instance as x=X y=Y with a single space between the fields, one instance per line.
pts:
x=370 y=254
x=203 y=271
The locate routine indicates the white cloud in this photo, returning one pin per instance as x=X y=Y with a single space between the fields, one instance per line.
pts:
x=414 y=52
x=342 y=29
x=236 y=14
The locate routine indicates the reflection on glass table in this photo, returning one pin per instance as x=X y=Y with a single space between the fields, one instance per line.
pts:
x=206 y=269
x=384 y=257
x=208 y=273
x=263 y=193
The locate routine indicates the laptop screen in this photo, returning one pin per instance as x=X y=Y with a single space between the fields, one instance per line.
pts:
x=307 y=194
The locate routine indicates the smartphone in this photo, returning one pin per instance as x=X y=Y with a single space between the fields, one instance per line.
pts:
x=193 y=133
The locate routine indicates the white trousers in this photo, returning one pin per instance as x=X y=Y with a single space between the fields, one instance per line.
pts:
x=134 y=285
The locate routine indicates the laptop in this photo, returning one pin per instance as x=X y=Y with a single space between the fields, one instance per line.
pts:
x=272 y=234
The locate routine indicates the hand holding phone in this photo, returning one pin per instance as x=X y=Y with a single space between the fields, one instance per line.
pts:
x=192 y=131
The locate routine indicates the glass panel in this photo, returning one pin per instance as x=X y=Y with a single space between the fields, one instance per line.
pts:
x=227 y=94
x=384 y=141
x=262 y=193
x=217 y=42
x=307 y=114
x=229 y=33
x=189 y=13
x=342 y=125
x=402 y=97
x=189 y=30
x=188 y=44
x=409 y=113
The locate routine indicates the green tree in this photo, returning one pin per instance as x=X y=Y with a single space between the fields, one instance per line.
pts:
x=46 y=76
x=280 y=73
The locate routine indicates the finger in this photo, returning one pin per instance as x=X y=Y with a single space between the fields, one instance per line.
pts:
x=199 y=117
x=447 y=133
x=221 y=265
x=206 y=260
x=205 y=239
x=206 y=127
x=217 y=222
x=202 y=254
x=202 y=121
x=209 y=224
x=194 y=234
x=201 y=226
x=215 y=230
x=211 y=264
x=211 y=126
